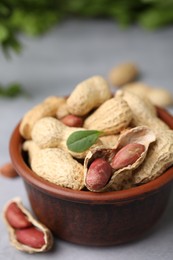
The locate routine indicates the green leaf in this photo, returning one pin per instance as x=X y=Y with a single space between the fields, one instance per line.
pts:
x=4 y=33
x=11 y=91
x=80 y=141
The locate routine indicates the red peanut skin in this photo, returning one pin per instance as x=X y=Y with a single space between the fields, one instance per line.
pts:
x=72 y=120
x=127 y=155
x=16 y=218
x=8 y=171
x=31 y=237
x=98 y=174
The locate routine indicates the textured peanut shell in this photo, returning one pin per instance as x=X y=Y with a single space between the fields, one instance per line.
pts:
x=157 y=96
x=47 y=108
x=49 y=132
x=62 y=111
x=138 y=88
x=88 y=95
x=112 y=116
x=158 y=159
x=123 y=74
x=144 y=112
x=109 y=141
x=32 y=148
x=57 y=166
x=122 y=178
x=161 y=97
x=47 y=233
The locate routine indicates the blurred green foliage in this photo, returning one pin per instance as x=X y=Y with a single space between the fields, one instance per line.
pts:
x=35 y=17
x=11 y=91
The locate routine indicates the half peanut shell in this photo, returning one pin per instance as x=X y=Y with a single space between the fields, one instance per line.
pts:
x=48 y=238
x=141 y=135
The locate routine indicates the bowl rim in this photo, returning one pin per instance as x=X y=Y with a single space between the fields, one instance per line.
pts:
x=15 y=149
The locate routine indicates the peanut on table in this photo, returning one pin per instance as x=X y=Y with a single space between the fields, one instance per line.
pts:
x=26 y=233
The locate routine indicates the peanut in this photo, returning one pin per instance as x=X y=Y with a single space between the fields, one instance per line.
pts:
x=124 y=171
x=49 y=132
x=62 y=111
x=139 y=88
x=31 y=237
x=58 y=166
x=8 y=171
x=123 y=74
x=159 y=158
x=157 y=96
x=72 y=121
x=88 y=95
x=144 y=112
x=112 y=116
x=127 y=155
x=47 y=108
x=160 y=97
x=98 y=174
x=25 y=232
x=16 y=218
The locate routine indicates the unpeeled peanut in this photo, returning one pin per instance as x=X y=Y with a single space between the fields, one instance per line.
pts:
x=157 y=96
x=88 y=95
x=31 y=237
x=144 y=112
x=123 y=74
x=112 y=116
x=47 y=108
x=16 y=218
x=161 y=97
x=127 y=155
x=98 y=174
x=59 y=167
x=49 y=132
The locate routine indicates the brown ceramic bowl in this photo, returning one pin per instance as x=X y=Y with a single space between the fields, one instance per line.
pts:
x=97 y=219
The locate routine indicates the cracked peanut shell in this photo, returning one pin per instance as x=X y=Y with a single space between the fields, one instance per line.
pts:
x=121 y=178
x=48 y=238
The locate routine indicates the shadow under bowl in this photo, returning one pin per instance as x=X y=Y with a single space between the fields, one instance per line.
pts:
x=95 y=219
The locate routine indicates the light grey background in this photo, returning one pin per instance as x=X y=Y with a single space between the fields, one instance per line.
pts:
x=53 y=65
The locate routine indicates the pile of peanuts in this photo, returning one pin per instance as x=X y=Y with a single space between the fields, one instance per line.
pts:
x=132 y=150
x=135 y=146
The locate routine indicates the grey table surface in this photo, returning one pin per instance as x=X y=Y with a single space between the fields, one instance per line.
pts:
x=53 y=65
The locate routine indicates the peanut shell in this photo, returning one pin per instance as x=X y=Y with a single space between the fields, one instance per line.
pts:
x=57 y=166
x=109 y=141
x=139 y=88
x=144 y=112
x=142 y=135
x=62 y=110
x=112 y=117
x=161 y=97
x=88 y=95
x=123 y=74
x=158 y=159
x=49 y=132
x=32 y=148
x=47 y=233
x=47 y=108
x=157 y=96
